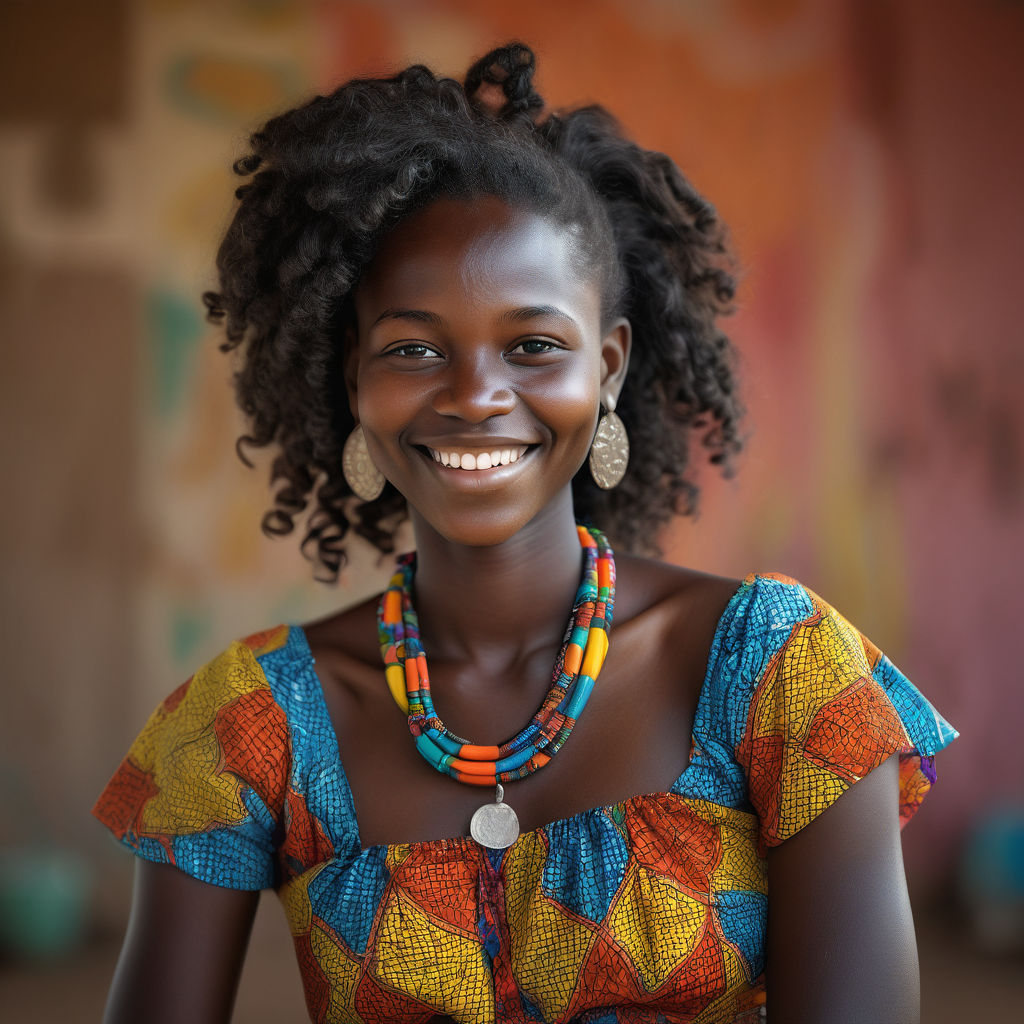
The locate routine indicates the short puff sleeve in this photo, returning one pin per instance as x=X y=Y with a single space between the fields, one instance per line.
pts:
x=203 y=785
x=825 y=708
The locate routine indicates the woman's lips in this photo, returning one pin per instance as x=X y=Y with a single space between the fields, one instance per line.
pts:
x=491 y=473
x=474 y=460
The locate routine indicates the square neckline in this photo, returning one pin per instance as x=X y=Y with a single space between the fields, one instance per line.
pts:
x=447 y=842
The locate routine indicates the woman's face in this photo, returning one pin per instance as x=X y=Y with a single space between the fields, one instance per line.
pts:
x=479 y=365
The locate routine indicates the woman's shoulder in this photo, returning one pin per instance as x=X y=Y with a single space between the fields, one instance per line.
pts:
x=728 y=609
x=279 y=659
x=233 y=677
x=677 y=593
x=270 y=670
x=758 y=605
x=346 y=648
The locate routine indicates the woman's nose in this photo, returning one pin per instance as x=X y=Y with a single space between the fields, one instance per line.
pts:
x=474 y=389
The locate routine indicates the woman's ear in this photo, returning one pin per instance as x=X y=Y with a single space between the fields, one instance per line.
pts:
x=350 y=368
x=615 y=347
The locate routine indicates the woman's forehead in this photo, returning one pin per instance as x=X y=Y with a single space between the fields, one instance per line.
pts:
x=477 y=250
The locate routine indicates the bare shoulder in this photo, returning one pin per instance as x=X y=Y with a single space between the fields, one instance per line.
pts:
x=672 y=613
x=674 y=594
x=345 y=647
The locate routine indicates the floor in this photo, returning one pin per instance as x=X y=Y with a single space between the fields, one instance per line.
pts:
x=958 y=984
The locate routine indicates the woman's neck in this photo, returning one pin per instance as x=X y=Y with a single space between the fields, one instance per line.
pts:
x=494 y=605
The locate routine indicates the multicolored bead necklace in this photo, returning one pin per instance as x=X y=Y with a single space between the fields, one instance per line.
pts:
x=576 y=669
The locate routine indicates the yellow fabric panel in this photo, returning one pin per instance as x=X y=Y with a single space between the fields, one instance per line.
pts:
x=341 y=970
x=547 y=945
x=268 y=641
x=294 y=897
x=821 y=659
x=447 y=971
x=180 y=748
x=735 y=972
x=656 y=923
x=739 y=1003
x=395 y=856
x=739 y=867
x=807 y=791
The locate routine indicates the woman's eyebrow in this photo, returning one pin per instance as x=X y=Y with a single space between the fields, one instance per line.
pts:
x=521 y=313
x=517 y=315
x=422 y=316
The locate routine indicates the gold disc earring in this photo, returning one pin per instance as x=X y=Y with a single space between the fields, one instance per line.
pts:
x=365 y=479
x=609 y=451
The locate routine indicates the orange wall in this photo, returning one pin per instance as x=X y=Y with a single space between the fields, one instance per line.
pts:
x=867 y=156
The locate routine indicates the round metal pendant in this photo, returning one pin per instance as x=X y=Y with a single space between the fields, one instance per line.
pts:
x=495 y=825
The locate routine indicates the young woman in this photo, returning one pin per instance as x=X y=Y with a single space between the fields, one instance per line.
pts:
x=503 y=324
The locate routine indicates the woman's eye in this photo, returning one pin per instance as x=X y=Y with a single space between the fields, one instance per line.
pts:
x=535 y=347
x=412 y=350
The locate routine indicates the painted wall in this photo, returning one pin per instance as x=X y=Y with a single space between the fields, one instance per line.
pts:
x=867 y=156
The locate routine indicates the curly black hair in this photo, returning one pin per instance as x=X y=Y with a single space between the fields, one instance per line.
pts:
x=329 y=179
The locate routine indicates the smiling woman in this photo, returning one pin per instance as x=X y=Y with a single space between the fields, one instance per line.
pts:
x=475 y=333
x=444 y=300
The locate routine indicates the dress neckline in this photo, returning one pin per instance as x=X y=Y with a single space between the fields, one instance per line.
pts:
x=320 y=710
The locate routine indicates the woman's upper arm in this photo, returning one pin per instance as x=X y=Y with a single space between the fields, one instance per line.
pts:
x=183 y=950
x=841 y=945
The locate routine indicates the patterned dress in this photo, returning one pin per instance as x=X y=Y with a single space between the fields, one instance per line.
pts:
x=652 y=909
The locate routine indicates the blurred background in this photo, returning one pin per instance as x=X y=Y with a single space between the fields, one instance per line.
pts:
x=867 y=155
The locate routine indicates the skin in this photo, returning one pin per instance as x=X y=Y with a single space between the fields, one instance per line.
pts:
x=475 y=322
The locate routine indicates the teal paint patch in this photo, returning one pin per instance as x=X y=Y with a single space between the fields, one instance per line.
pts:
x=174 y=327
x=188 y=631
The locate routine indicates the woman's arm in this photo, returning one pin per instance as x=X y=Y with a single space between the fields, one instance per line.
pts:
x=183 y=951
x=841 y=944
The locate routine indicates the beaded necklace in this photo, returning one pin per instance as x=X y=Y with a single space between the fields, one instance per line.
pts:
x=576 y=669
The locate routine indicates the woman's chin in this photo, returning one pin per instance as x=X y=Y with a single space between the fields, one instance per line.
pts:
x=474 y=530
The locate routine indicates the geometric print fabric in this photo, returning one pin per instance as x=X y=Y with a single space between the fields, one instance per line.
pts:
x=652 y=909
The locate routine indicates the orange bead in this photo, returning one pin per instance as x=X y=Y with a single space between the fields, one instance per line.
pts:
x=477 y=780
x=573 y=657
x=412 y=675
x=392 y=607
x=472 y=752
x=473 y=767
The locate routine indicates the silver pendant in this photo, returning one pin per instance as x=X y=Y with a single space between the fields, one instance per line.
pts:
x=495 y=825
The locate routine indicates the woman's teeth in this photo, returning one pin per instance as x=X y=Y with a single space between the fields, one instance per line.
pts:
x=478 y=460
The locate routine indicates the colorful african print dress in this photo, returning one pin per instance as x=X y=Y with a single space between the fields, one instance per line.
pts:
x=652 y=909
